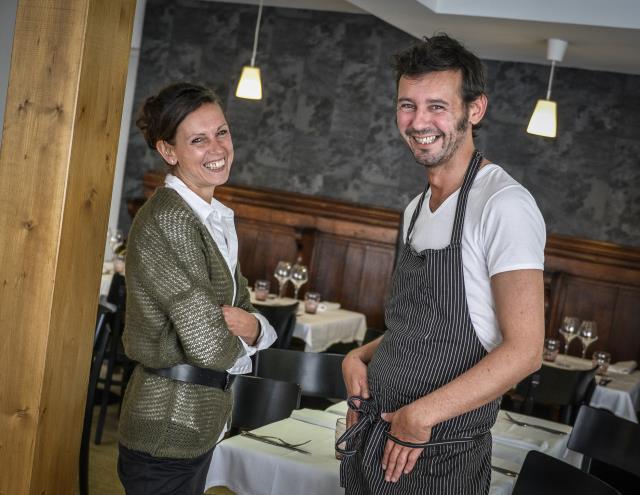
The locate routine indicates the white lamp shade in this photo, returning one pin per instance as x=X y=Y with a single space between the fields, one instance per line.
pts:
x=249 y=85
x=543 y=120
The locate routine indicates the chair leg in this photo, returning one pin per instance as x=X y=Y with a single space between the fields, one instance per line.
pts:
x=105 y=394
x=102 y=335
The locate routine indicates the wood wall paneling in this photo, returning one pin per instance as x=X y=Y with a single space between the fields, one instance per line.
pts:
x=350 y=250
x=57 y=160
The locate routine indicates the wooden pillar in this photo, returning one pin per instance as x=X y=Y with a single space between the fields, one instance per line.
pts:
x=62 y=117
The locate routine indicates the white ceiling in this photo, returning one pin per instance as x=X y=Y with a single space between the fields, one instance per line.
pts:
x=602 y=34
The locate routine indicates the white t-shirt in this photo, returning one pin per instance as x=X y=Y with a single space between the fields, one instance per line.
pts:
x=503 y=231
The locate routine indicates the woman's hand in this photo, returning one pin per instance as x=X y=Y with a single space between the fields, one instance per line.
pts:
x=354 y=372
x=242 y=324
x=406 y=425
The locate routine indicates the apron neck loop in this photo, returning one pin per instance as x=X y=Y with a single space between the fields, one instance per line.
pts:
x=461 y=207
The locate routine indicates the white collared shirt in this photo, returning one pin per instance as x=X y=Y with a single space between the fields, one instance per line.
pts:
x=218 y=219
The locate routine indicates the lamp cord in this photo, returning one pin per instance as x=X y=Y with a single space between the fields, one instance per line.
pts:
x=255 y=38
x=553 y=66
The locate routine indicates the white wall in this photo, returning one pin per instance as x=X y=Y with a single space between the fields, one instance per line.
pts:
x=7 y=23
x=127 y=111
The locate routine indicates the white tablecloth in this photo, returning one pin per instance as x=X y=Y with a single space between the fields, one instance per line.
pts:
x=325 y=328
x=621 y=395
x=107 y=275
x=250 y=467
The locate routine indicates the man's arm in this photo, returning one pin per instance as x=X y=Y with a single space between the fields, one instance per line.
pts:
x=519 y=302
x=354 y=373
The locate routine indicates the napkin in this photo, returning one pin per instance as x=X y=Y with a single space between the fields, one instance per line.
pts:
x=328 y=306
x=624 y=367
x=315 y=417
x=523 y=443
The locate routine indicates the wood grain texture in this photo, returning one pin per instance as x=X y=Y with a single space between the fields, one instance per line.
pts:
x=62 y=121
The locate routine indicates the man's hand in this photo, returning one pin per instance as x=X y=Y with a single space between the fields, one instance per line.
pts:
x=405 y=425
x=354 y=372
x=242 y=324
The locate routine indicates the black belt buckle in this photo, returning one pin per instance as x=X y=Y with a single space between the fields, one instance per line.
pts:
x=228 y=381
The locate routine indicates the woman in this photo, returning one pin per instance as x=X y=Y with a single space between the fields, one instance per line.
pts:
x=188 y=312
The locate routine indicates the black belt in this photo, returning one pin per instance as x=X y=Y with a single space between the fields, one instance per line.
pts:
x=192 y=374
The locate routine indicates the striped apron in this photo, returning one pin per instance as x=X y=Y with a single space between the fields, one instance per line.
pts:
x=430 y=340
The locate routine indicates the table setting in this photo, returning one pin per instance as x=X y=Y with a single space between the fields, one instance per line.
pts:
x=319 y=323
x=617 y=384
x=297 y=454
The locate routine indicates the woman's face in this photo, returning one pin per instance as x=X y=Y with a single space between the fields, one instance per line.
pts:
x=203 y=152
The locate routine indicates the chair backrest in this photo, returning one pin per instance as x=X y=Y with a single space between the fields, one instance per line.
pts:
x=601 y=435
x=117 y=295
x=318 y=374
x=282 y=319
x=543 y=474
x=102 y=333
x=372 y=334
x=260 y=401
x=554 y=386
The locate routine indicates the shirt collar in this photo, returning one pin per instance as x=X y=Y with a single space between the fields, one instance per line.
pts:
x=197 y=204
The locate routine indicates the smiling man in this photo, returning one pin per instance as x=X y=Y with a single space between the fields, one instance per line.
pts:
x=465 y=314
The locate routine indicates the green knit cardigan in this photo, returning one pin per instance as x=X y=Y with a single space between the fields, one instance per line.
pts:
x=177 y=280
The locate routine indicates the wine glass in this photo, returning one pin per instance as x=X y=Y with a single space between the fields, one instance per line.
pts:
x=115 y=238
x=569 y=330
x=299 y=277
x=587 y=334
x=282 y=274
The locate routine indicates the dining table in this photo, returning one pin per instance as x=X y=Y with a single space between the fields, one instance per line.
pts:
x=616 y=392
x=330 y=325
x=254 y=463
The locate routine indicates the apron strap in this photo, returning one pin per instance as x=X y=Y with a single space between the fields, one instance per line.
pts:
x=461 y=207
x=415 y=215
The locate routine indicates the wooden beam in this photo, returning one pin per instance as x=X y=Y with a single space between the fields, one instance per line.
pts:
x=62 y=119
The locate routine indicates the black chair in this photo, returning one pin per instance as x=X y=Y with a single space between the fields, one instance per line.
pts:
x=601 y=435
x=372 y=334
x=101 y=337
x=556 y=389
x=543 y=474
x=282 y=319
x=260 y=401
x=318 y=374
x=115 y=357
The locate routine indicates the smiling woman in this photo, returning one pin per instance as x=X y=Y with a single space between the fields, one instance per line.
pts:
x=190 y=325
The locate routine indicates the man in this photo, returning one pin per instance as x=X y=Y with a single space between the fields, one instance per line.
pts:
x=465 y=313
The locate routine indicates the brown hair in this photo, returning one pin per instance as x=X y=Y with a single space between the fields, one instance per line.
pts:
x=161 y=114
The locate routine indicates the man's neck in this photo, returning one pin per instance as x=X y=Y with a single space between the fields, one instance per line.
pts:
x=447 y=178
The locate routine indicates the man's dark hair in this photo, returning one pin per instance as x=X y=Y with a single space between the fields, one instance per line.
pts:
x=161 y=114
x=440 y=53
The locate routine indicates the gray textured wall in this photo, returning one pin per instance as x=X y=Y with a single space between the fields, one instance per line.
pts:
x=326 y=124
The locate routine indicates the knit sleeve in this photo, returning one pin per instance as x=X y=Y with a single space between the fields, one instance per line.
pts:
x=244 y=298
x=168 y=272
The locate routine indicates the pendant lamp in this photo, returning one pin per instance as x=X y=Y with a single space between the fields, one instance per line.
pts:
x=543 y=120
x=250 y=86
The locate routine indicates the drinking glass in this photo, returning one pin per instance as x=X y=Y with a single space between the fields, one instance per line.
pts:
x=551 y=350
x=299 y=277
x=311 y=301
x=569 y=330
x=282 y=274
x=587 y=334
x=341 y=427
x=261 y=289
x=601 y=359
x=115 y=238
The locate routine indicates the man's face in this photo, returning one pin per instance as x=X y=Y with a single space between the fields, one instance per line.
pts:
x=432 y=116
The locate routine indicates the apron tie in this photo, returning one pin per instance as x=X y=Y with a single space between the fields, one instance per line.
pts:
x=369 y=414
